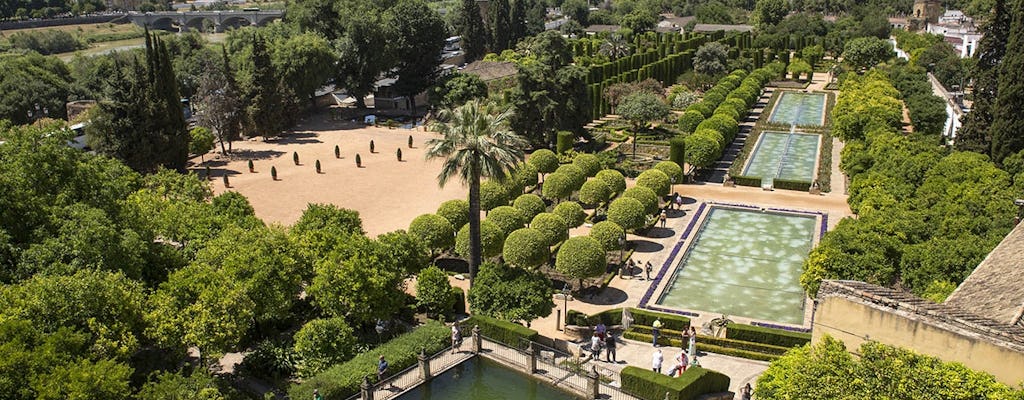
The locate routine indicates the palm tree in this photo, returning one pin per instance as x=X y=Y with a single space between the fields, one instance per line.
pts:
x=616 y=46
x=476 y=144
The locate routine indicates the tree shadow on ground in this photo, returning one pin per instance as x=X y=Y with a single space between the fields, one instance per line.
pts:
x=602 y=297
x=452 y=264
x=296 y=138
x=247 y=154
x=659 y=233
x=646 y=246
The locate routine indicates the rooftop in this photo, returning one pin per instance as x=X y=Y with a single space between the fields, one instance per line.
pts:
x=994 y=289
x=490 y=70
x=716 y=27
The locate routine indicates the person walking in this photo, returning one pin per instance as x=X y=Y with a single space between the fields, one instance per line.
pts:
x=679 y=201
x=382 y=368
x=746 y=392
x=609 y=348
x=663 y=218
x=692 y=349
x=648 y=269
x=655 y=331
x=317 y=396
x=656 y=360
x=456 y=339
x=595 y=347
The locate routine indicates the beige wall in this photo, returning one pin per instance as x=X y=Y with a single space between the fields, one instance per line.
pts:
x=853 y=322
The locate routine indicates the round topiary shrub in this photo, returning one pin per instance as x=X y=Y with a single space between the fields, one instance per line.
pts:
x=581 y=257
x=655 y=180
x=588 y=163
x=673 y=170
x=544 y=160
x=435 y=231
x=322 y=343
x=614 y=179
x=433 y=292
x=703 y=108
x=455 y=211
x=727 y=110
x=726 y=125
x=646 y=196
x=575 y=174
x=702 y=150
x=557 y=187
x=508 y=218
x=713 y=99
x=608 y=234
x=714 y=134
x=572 y=212
x=689 y=121
x=526 y=248
x=525 y=175
x=492 y=239
x=628 y=213
x=530 y=204
x=594 y=192
x=492 y=194
x=552 y=226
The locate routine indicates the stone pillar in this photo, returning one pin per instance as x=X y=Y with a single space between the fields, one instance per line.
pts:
x=365 y=390
x=531 y=363
x=424 y=365
x=593 y=383
x=477 y=340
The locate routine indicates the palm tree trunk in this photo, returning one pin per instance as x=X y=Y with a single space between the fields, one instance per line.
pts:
x=474 y=223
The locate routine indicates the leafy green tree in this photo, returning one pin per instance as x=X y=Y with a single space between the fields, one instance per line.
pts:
x=571 y=212
x=577 y=10
x=1007 y=121
x=576 y=176
x=655 y=180
x=305 y=62
x=615 y=47
x=557 y=187
x=641 y=109
x=645 y=196
x=608 y=234
x=321 y=226
x=530 y=205
x=799 y=67
x=472 y=31
x=595 y=191
x=219 y=101
x=974 y=135
x=433 y=292
x=29 y=81
x=455 y=211
x=405 y=250
x=475 y=145
x=581 y=257
x=589 y=163
x=526 y=248
x=671 y=169
x=201 y=141
x=711 y=59
x=525 y=176
x=265 y=114
x=552 y=226
x=517 y=21
x=85 y=379
x=770 y=12
x=361 y=283
x=499 y=15
x=434 y=231
x=627 y=213
x=197 y=385
x=507 y=218
x=866 y=52
x=614 y=179
x=639 y=21
x=511 y=294
x=492 y=238
x=927 y=113
x=544 y=160
x=419 y=35
x=813 y=54
x=456 y=89
x=550 y=94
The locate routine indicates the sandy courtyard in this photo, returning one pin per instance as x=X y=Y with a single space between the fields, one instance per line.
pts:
x=387 y=193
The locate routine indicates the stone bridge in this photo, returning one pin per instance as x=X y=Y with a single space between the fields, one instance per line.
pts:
x=201 y=20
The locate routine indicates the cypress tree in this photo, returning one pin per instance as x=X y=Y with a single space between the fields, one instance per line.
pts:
x=500 y=20
x=517 y=22
x=1007 y=130
x=265 y=102
x=974 y=134
x=471 y=28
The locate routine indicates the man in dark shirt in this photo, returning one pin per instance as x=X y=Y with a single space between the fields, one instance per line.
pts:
x=609 y=345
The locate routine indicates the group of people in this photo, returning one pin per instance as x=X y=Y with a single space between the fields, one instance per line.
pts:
x=633 y=265
x=688 y=351
x=605 y=339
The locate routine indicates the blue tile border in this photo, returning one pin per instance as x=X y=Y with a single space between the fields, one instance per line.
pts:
x=686 y=234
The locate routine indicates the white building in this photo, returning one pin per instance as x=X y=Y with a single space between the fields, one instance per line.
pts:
x=958 y=30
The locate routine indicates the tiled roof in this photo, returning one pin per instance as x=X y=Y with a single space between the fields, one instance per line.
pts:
x=489 y=70
x=716 y=28
x=943 y=315
x=996 y=288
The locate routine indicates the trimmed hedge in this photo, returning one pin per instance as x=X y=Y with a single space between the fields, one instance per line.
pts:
x=703 y=346
x=640 y=317
x=502 y=331
x=650 y=385
x=342 y=380
x=747 y=181
x=759 y=334
x=673 y=338
x=802 y=186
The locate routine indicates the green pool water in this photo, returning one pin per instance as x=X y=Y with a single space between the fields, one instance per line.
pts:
x=483 y=379
x=784 y=156
x=744 y=263
x=799 y=108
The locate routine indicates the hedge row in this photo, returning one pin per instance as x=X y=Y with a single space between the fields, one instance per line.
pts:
x=343 y=380
x=671 y=337
x=772 y=336
x=650 y=385
x=754 y=181
x=787 y=184
x=704 y=346
x=640 y=317
x=502 y=331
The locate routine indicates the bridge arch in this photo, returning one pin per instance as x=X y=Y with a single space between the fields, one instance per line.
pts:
x=201 y=23
x=164 y=23
x=234 y=21
x=263 y=20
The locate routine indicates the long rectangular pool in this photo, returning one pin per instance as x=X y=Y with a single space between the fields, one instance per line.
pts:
x=744 y=263
x=481 y=379
x=799 y=109
x=790 y=156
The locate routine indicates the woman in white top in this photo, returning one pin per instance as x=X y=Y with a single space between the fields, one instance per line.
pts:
x=656 y=360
